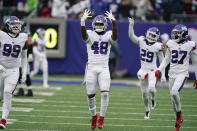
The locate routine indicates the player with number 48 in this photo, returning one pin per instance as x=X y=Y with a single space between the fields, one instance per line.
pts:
x=97 y=70
x=179 y=51
x=150 y=49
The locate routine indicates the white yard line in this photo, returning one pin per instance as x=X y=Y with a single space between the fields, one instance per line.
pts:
x=86 y=107
x=43 y=93
x=114 y=118
x=28 y=100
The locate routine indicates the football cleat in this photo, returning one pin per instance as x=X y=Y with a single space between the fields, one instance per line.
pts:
x=94 y=121
x=153 y=105
x=179 y=120
x=29 y=93
x=100 y=122
x=2 y=124
x=147 y=115
x=20 y=92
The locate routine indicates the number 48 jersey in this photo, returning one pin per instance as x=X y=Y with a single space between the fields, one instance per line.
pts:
x=98 y=47
x=149 y=53
x=10 y=49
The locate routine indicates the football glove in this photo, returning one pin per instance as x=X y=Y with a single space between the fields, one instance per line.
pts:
x=131 y=21
x=2 y=69
x=157 y=72
x=86 y=15
x=195 y=84
x=110 y=16
x=23 y=78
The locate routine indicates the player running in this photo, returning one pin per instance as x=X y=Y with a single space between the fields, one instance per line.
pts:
x=40 y=58
x=178 y=54
x=13 y=54
x=149 y=50
x=98 y=47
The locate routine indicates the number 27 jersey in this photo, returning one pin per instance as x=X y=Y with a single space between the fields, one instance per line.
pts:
x=98 y=47
x=10 y=49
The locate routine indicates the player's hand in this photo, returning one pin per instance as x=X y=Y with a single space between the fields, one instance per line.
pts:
x=23 y=78
x=157 y=72
x=86 y=15
x=195 y=84
x=131 y=21
x=2 y=69
x=110 y=16
x=163 y=79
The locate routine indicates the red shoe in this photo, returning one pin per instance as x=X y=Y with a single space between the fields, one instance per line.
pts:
x=179 y=120
x=100 y=122
x=2 y=124
x=94 y=121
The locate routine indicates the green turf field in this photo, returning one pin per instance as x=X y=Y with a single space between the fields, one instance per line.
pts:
x=64 y=108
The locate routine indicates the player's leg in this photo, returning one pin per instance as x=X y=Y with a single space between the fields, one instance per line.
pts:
x=36 y=66
x=45 y=73
x=176 y=88
x=10 y=83
x=104 y=84
x=20 y=85
x=144 y=90
x=151 y=88
x=171 y=83
x=2 y=77
x=91 y=81
x=28 y=82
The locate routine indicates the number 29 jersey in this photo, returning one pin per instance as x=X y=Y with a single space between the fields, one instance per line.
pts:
x=148 y=53
x=10 y=49
x=180 y=55
x=98 y=47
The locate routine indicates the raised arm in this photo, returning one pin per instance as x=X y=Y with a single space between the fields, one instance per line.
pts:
x=84 y=34
x=114 y=27
x=132 y=36
x=161 y=57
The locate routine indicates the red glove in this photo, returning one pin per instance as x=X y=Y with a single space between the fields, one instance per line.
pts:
x=195 y=84
x=157 y=72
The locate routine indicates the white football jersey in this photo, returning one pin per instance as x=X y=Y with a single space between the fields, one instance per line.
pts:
x=41 y=45
x=10 y=49
x=180 y=55
x=149 y=53
x=98 y=47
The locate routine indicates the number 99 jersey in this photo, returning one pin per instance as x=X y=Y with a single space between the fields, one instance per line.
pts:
x=10 y=49
x=180 y=55
x=98 y=47
x=149 y=53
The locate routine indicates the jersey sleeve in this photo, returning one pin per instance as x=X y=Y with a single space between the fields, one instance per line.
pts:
x=160 y=46
x=89 y=32
x=140 y=40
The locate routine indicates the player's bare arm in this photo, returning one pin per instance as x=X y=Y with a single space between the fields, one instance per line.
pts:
x=85 y=16
x=110 y=16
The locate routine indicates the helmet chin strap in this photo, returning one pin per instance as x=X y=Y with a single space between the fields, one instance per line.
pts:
x=12 y=34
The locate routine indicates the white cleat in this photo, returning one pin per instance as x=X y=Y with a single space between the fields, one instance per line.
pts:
x=147 y=115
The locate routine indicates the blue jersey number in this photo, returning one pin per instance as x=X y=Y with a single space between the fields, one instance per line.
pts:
x=9 y=50
x=100 y=48
x=146 y=56
x=175 y=55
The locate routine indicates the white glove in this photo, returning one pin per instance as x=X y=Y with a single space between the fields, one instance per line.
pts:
x=131 y=21
x=110 y=15
x=23 y=78
x=2 y=69
x=163 y=79
x=86 y=14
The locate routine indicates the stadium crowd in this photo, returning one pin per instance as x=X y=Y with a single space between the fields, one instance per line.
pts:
x=146 y=10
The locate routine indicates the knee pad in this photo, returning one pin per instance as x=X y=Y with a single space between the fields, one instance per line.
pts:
x=28 y=80
x=174 y=93
x=91 y=96
x=151 y=89
x=104 y=94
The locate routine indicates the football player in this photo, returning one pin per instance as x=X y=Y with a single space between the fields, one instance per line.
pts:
x=13 y=54
x=178 y=54
x=40 y=59
x=150 y=49
x=97 y=70
x=29 y=56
